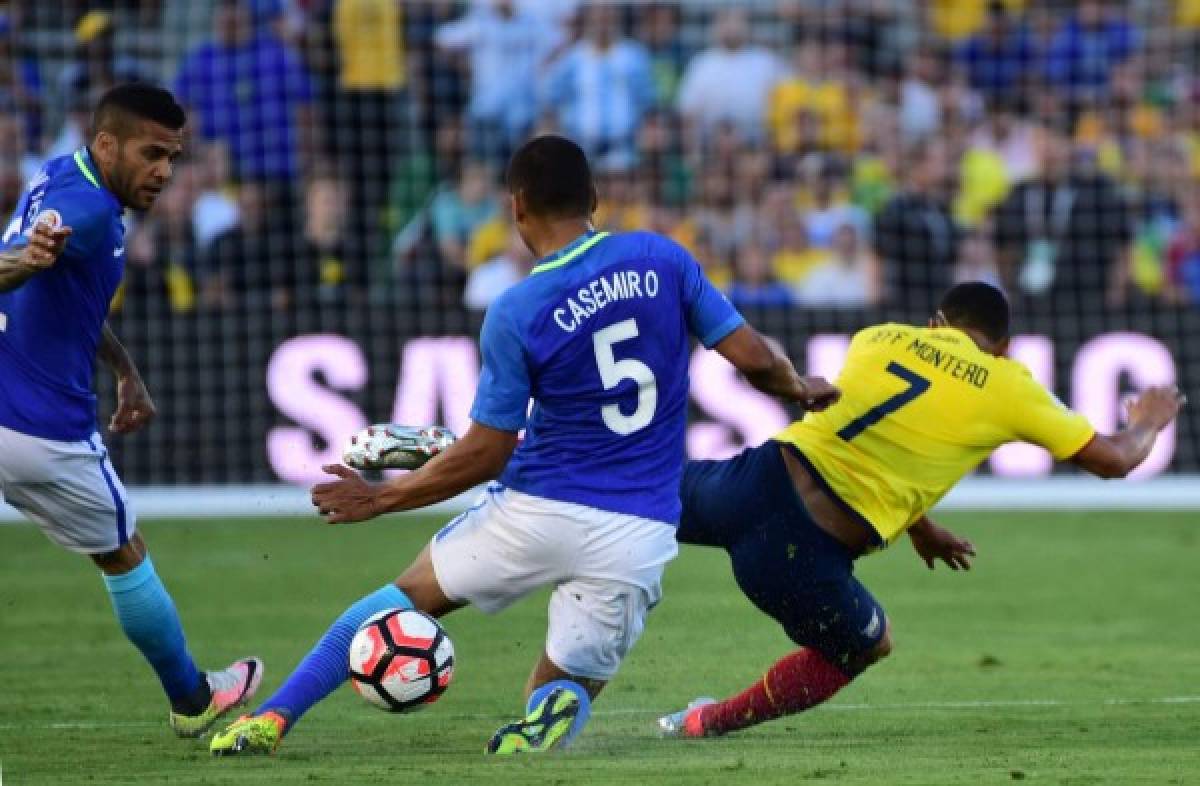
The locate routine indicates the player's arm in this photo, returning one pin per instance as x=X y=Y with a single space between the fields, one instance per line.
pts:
x=44 y=247
x=135 y=408
x=718 y=325
x=767 y=367
x=933 y=543
x=1117 y=455
x=478 y=457
x=497 y=416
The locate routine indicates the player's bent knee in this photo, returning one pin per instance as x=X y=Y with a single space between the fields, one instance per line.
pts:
x=419 y=582
x=884 y=647
x=124 y=559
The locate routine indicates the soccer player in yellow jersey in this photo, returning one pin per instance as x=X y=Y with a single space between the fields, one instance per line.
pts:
x=920 y=408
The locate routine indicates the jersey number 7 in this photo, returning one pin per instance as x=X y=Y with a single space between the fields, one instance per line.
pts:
x=917 y=385
x=613 y=371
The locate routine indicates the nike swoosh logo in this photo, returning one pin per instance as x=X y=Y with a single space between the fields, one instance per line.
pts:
x=118 y=252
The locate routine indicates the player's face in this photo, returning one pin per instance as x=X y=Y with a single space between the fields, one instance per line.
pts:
x=145 y=163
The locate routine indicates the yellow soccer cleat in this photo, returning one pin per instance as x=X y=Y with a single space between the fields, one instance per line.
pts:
x=231 y=687
x=250 y=734
x=541 y=730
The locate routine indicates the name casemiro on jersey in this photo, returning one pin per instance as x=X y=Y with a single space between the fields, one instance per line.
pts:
x=600 y=292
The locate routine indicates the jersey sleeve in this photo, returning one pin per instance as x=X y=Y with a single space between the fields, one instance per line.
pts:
x=711 y=317
x=502 y=398
x=1039 y=417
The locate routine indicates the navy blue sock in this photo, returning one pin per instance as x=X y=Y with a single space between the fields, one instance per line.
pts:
x=148 y=617
x=328 y=664
x=585 y=705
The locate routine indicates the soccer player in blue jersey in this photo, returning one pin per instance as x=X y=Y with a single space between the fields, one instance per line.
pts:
x=599 y=337
x=61 y=260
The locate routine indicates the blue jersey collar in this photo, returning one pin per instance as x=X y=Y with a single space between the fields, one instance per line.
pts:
x=568 y=252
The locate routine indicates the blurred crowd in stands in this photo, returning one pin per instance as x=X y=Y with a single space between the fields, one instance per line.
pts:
x=811 y=153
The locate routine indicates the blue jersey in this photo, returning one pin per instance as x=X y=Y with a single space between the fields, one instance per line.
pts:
x=50 y=326
x=599 y=337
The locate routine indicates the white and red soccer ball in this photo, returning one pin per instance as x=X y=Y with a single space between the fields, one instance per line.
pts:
x=401 y=660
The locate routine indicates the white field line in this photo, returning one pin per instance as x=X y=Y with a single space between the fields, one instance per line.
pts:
x=83 y=725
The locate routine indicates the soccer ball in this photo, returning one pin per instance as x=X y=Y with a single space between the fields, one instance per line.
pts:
x=401 y=660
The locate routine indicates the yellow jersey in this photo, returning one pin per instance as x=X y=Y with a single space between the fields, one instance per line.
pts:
x=921 y=408
x=370 y=42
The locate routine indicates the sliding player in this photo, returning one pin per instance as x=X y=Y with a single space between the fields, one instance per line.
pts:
x=599 y=337
x=920 y=408
x=61 y=260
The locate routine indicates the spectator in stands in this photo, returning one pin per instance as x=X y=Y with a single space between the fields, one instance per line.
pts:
x=249 y=91
x=920 y=103
x=660 y=162
x=490 y=279
x=507 y=48
x=457 y=211
x=754 y=284
x=1183 y=253
x=829 y=207
x=847 y=279
x=1069 y=227
x=95 y=68
x=730 y=81
x=1005 y=133
x=1080 y=58
x=600 y=87
x=1161 y=178
x=783 y=231
x=215 y=209
x=326 y=263
x=724 y=223
x=20 y=87
x=370 y=122
x=1000 y=58
x=17 y=165
x=244 y=267
x=657 y=28
x=161 y=251
x=915 y=237
x=813 y=108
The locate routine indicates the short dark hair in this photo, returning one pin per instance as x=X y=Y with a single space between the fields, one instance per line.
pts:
x=977 y=305
x=123 y=104
x=552 y=174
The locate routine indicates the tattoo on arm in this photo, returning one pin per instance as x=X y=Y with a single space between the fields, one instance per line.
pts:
x=13 y=270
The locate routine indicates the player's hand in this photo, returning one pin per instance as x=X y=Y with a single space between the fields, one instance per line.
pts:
x=46 y=244
x=1156 y=407
x=349 y=498
x=818 y=393
x=934 y=543
x=135 y=408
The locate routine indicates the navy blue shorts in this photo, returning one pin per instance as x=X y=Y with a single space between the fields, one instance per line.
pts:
x=786 y=565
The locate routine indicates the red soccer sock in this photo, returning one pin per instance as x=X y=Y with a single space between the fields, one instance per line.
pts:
x=795 y=683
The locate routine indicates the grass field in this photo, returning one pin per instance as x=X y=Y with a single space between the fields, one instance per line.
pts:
x=1071 y=655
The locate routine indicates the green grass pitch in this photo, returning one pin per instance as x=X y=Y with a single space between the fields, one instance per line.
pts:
x=1070 y=655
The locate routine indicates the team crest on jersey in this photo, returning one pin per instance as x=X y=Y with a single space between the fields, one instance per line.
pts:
x=50 y=217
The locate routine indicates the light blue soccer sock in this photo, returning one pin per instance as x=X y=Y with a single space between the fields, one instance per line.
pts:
x=585 y=705
x=148 y=617
x=328 y=664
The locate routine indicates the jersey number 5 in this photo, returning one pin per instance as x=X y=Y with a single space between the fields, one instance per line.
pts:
x=613 y=371
x=917 y=385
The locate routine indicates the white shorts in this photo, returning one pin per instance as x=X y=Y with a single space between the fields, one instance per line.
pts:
x=69 y=489
x=606 y=570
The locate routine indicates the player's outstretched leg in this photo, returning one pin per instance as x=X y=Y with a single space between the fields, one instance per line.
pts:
x=150 y=621
x=319 y=674
x=797 y=682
